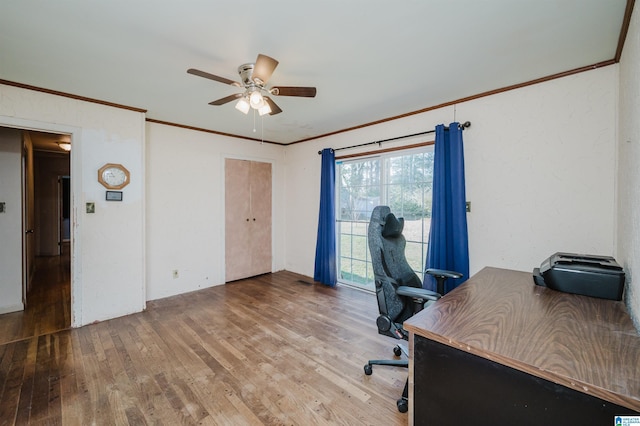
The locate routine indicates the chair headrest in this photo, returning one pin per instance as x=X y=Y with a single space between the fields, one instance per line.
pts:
x=378 y=214
x=392 y=226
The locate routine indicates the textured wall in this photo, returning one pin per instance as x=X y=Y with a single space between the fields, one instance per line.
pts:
x=628 y=170
x=541 y=171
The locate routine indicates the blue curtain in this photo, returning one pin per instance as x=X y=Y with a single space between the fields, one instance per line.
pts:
x=325 y=266
x=448 y=239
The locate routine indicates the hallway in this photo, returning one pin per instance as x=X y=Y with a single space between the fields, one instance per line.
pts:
x=49 y=302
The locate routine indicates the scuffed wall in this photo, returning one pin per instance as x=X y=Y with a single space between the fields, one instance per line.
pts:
x=628 y=214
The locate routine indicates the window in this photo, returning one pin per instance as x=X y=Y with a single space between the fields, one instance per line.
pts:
x=400 y=180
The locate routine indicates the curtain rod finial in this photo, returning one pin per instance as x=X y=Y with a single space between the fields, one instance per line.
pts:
x=465 y=124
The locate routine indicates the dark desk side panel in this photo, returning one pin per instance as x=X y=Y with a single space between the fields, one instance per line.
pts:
x=453 y=387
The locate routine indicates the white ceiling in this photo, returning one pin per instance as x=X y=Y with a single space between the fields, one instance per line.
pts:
x=370 y=60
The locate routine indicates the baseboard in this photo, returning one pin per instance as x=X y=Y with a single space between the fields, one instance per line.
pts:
x=12 y=308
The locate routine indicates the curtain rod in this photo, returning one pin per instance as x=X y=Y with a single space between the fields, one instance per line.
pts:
x=461 y=126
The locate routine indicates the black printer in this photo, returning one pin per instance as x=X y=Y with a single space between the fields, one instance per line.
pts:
x=588 y=275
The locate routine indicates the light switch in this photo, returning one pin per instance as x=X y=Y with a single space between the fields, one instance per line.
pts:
x=91 y=207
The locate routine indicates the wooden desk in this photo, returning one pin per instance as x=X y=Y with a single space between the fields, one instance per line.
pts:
x=499 y=350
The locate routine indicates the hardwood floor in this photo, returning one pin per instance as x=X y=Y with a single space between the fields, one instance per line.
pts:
x=48 y=303
x=268 y=350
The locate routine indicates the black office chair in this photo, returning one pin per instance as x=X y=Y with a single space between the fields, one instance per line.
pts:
x=398 y=289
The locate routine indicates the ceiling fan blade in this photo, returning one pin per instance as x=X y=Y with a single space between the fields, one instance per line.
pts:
x=307 y=92
x=275 y=109
x=263 y=69
x=226 y=99
x=212 y=77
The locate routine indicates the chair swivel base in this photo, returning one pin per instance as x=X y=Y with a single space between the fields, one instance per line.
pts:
x=391 y=362
x=402 y=403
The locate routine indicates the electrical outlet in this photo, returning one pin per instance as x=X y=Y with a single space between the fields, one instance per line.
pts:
x=468 y=204
x=175 y=273
x=3 y=207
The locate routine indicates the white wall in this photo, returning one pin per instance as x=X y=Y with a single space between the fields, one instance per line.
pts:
x=11 y=221
x=108 y=246
x=541 y=171
x=540 y=168
x=185 y=206
x=628 y=161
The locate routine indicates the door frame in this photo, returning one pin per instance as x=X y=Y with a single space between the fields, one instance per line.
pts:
x=27 y=225
x=75 y=169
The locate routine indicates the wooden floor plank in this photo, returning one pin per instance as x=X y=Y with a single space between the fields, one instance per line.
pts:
x=13 y=382
x=267 y=350
x=23 y=413
x=48 y=302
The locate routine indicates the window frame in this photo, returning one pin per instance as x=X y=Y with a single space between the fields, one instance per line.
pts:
x=382 y=156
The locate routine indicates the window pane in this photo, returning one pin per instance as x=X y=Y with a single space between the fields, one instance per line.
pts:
x=359 y=189
x=344 y=247
x=414 y=254
x=401 y=181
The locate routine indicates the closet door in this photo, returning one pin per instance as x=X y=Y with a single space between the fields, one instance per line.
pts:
x=260 y=231
x=247 y=218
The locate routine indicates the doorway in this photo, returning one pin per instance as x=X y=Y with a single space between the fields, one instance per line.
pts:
x=46 y=242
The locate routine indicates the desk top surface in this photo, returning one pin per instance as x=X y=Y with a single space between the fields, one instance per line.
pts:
x=584 y=343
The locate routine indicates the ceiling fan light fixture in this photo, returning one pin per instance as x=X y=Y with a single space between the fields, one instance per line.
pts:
x=264 y=109
x=243 y=106
x=66 y=146
x=256 y=100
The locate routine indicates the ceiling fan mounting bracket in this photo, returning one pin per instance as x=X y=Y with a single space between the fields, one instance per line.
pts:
x=246 y=74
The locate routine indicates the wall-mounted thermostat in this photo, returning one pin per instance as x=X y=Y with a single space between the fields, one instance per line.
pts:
x=114 y=196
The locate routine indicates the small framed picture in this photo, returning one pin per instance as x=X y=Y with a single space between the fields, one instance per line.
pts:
x=114 y=196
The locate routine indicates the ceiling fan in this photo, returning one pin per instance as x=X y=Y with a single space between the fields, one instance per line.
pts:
x=254 y=77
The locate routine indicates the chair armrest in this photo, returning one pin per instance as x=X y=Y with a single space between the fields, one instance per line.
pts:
x=417 y=293
x=443 y=273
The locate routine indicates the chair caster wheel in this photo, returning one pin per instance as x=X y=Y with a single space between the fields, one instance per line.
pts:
x=403 y=405
x=397 y=351
x=368 y=370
